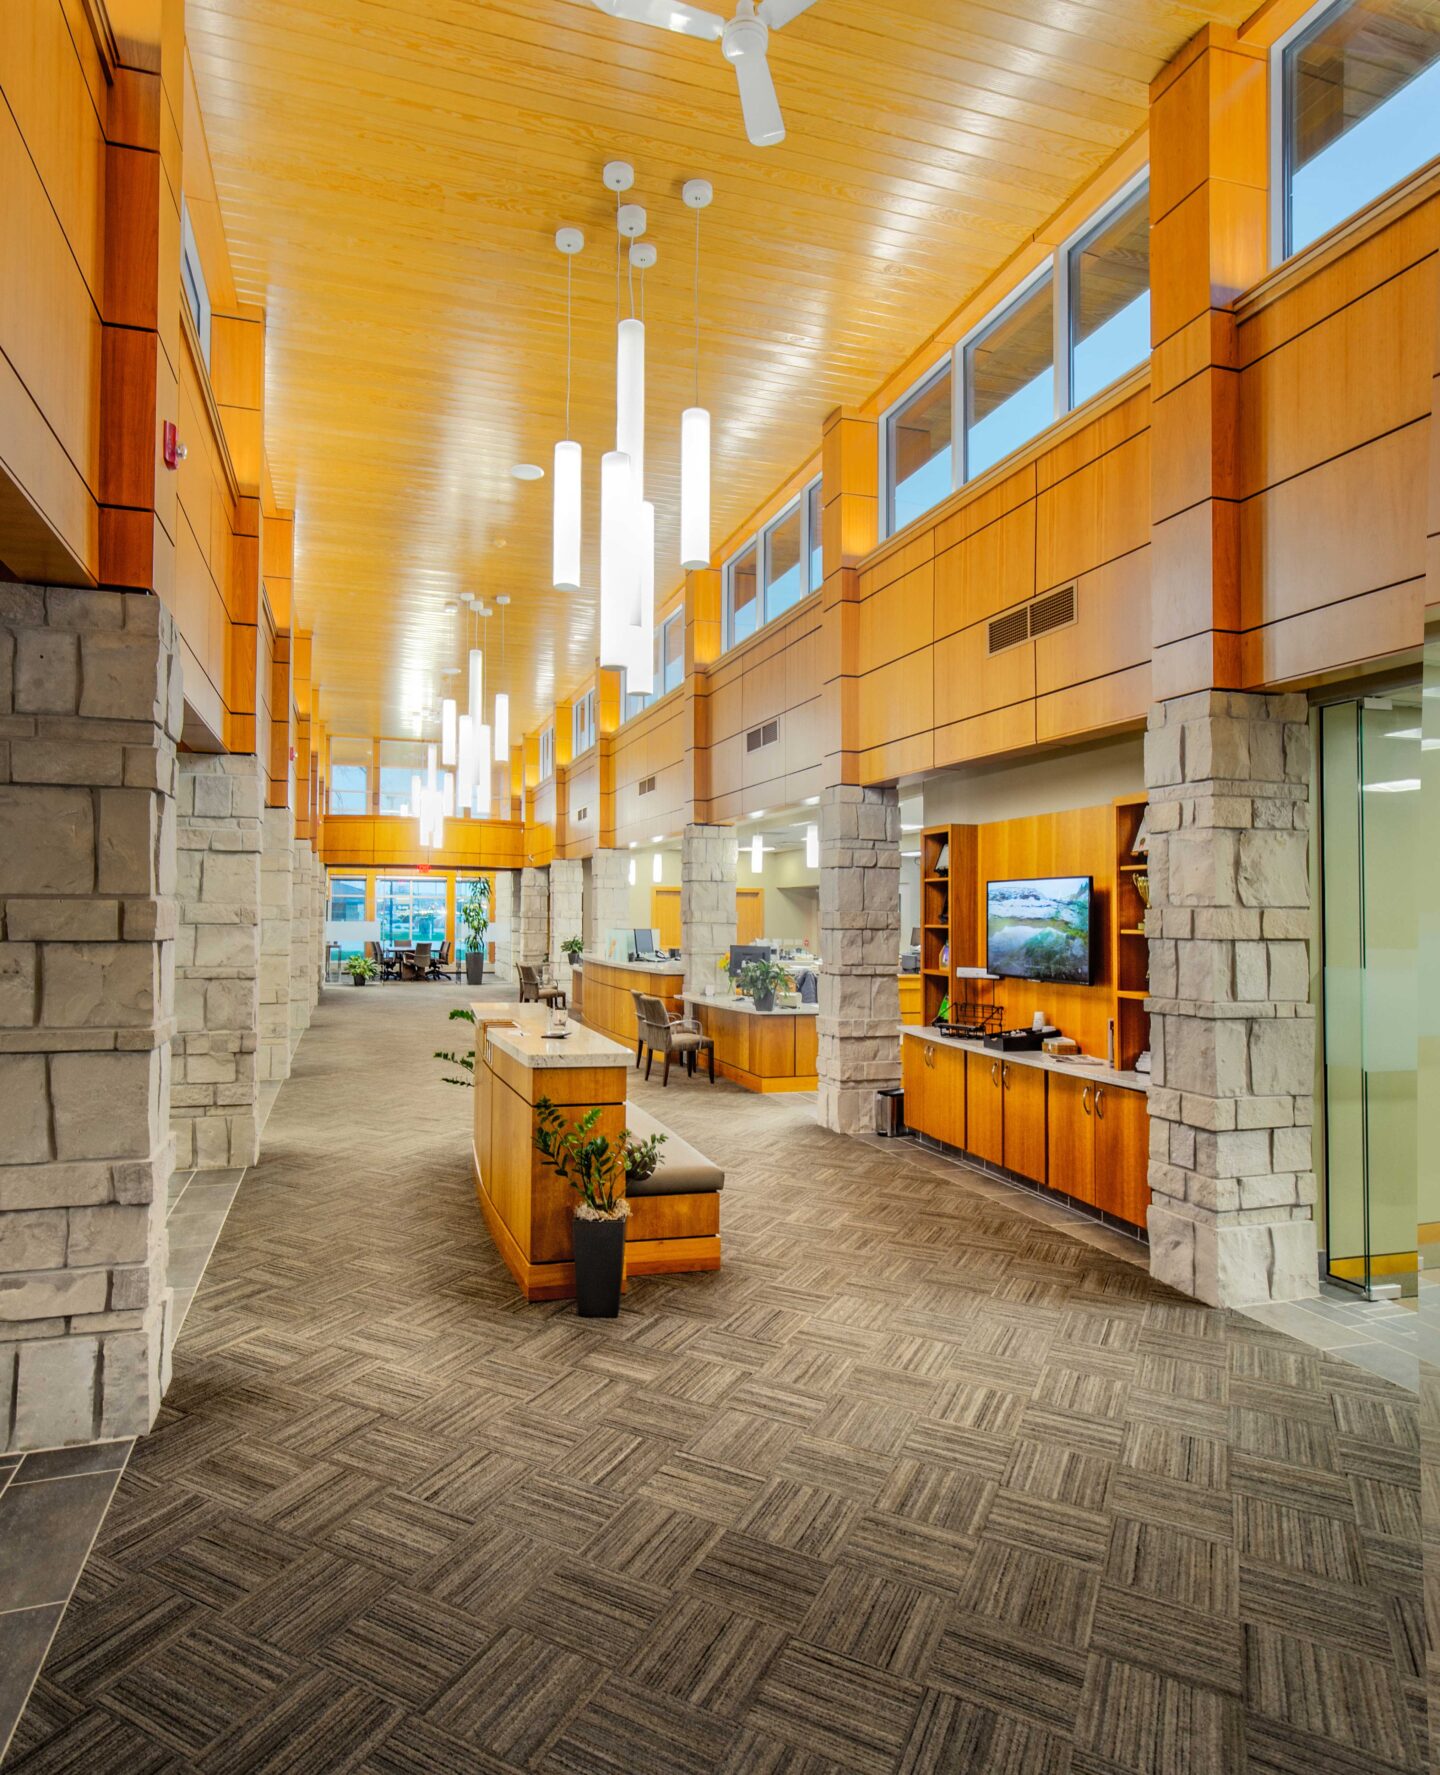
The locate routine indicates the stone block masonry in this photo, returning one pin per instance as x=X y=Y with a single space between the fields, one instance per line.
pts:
x=214 y=1092
x=277 y=921
x=609 y=905
x=860 y=949
x=1232 y=1031
x=567 y=913
x=532 y=922
x=502 y=926
x=91 y=707
x=302 y=939
x=708 y=856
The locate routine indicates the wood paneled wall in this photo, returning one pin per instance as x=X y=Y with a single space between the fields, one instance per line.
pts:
x=364 y=841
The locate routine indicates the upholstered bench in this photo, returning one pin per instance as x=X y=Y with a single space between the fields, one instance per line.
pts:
x=674 y=1223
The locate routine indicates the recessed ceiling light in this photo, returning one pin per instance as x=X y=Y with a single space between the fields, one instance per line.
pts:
x=451 y=607
x=528 y=471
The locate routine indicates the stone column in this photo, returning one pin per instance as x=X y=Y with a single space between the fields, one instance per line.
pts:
x=859 y=1019
x=567 y=913
x=609 y=908
x=90 y=709
x=302 y=892
x=317 y=927
x=1232 y=1031
x=503 y=900
x=213 y=1086
x=277 y=869
x=707 y=902
x=532 y=920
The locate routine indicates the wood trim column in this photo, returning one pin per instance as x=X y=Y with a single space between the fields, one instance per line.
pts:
x=850 y=529
x=1208 y=221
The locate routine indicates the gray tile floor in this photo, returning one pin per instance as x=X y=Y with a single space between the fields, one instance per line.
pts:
x=53 y=1503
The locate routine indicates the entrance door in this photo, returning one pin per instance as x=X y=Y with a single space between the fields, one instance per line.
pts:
x=749 y=915
x=665 y=915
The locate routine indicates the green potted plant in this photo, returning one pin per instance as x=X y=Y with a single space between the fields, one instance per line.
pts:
x=360 y=968
x=573 y=947
x=460 y=1014
x=475 y=916
x=594 y=1168
x=761 y=980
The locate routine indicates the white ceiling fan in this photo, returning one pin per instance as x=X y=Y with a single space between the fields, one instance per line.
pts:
x=743 y=40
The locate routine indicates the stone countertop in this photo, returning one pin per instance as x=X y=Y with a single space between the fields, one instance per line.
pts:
x=519 y=1031
x=746 y=1006
x=1091 y=1072
x=635 y=967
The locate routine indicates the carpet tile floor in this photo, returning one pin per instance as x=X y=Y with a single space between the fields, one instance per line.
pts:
x=917 y=1483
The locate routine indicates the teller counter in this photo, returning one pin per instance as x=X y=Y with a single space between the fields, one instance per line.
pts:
x=761 y=1050
x=608 y=993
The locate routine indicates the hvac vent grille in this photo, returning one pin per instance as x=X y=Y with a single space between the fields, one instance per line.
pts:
x=581 y=815
x=1056 y=610
x=1009 y=630
x=647 y=785
x=1027 y=622
x=764 y=735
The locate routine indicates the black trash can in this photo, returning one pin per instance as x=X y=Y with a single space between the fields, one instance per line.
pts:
x=890 y=1111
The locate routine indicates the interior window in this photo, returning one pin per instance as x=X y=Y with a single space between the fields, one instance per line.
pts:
x=1010 y=379
x=814 y=538
x=782 y=563
x=1110 y=299
x=918 y=452
x=744 y=609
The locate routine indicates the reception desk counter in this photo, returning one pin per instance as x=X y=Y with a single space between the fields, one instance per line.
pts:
x=761 y=1050
x=527 y=1208
x=610 y=986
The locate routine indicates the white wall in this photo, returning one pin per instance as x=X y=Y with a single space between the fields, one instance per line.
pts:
x=1079 y=776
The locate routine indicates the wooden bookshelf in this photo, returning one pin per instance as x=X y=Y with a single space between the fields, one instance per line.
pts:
x=1130 y=942
x=949 y=911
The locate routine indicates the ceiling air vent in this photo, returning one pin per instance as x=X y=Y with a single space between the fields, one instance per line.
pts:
x=647 y=785
x=764 y=735
x=1056 y=610
x=1009 y=630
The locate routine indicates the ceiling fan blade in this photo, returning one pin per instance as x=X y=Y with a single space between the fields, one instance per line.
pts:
x=778 y=13
x=669 y=15
x=758 y=105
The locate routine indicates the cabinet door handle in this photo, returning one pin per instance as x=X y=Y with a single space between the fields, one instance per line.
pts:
x=995 y=1073
x=929 y=1055
x=1085 y=1098
x=1005 y=1075
x=1100 y=1102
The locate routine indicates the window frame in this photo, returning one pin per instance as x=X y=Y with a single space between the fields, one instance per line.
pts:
x=547 y=753
x=759 y=540
x=582 y=709
x=332 y=789
x=192 y=271
x=1056 y=266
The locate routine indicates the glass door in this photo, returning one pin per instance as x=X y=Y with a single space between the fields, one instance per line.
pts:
x=1370 y=781
x=411 y=910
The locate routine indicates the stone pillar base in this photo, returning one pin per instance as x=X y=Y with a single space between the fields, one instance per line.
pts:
x=532 y=922
x=859 y=1023
x=277 y=871
x=708 y=859
x=567 y=913
x=214 y=1096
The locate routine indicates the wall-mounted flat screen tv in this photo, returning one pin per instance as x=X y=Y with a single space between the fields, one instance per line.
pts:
x=1040 y=929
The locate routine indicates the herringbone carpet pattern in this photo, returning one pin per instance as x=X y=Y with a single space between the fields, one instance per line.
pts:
x=914 y=1484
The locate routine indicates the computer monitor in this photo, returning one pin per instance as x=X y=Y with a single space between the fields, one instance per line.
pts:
x=647 y=942
x=740 y=953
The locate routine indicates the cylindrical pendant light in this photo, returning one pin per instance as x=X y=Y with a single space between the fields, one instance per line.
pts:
x=618 y=567
x=437 y=820
x=566 y=523
x=695 y=423
x=417 y=789
x=447 y=732
x=465 y=763
x=432 y=767
x=502 y=727
x=477 y=685
x=630 y=397
x=565 y=547
x=694 y=488
x=484 y=771
x=812 y=847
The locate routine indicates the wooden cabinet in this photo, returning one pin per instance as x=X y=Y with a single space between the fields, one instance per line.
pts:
x=984 y=1108
x=1071 y=1137
x=934 y=1080
x=1022 y=1094
x=1122 y=1153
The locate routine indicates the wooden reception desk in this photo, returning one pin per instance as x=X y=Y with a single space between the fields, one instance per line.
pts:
x=527 y=1208
x=761 y=1050
x=610 y=986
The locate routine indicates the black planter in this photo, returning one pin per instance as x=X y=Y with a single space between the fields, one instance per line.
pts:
x=599 y=1267
x=357 y=980
x=765 y=1001
x=475 y=967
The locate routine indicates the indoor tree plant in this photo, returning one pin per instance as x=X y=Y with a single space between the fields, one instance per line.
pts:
x=475 y=916
x=460 y=1014
x=360 y=968
x=592 y=1166
x=761 y=980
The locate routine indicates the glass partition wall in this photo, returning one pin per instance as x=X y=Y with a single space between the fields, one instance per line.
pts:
x=1370 y=842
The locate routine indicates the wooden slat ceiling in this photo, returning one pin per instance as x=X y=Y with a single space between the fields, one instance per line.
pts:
x=391 y=174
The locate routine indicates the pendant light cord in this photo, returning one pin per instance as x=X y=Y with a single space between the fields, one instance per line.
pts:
x=697 y=307
x=569 y=347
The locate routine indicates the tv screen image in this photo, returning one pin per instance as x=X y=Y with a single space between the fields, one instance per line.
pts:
x=1040 y=929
